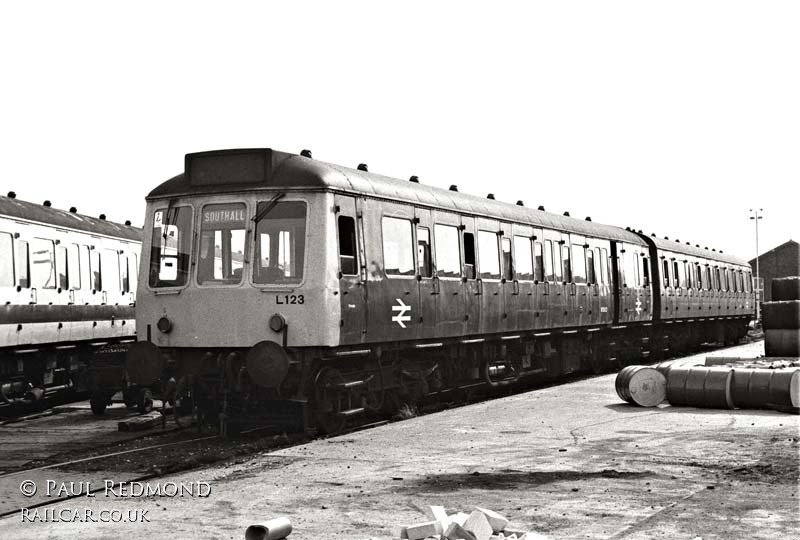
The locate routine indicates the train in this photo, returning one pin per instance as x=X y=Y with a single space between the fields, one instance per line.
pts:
x=68 y=287
x=275 y=280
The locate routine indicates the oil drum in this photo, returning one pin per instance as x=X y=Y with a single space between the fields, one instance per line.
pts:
x=757 y=388
x=700 y=386
x=641 y=385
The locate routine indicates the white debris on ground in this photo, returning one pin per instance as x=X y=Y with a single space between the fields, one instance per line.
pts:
x=480 y=524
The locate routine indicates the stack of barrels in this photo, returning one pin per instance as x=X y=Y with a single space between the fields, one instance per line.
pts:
x=782 y=318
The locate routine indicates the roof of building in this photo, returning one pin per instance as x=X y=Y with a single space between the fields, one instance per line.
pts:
x=17 y=209
x=290 y=171
x=781 y=247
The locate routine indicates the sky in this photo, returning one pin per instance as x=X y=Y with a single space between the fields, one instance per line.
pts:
x=676 y=117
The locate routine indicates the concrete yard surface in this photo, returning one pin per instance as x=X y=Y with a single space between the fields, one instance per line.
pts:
x=569 y=461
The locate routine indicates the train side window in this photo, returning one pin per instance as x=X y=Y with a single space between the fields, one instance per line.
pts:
x=740 y=280
x=665 y=272
x=566 y=260
x=61 y=267
x=170 y=246
x=488 y=254
x=95 y=270
x=524 y=263
x=23 y=265
x=424 y=263
x=448 y=254
x=469 y=255
x=591 y=271
x=748 y=282
x=687 y=270
x=578 y=264
x=508 y=264
x=43 y=264
x=707 y=278
x=538 y=269
x=110 y=269
x=548 y=260
x=605 y=271
x=676 y=277
x=698 y=276
x=125 y=273
x=723 y=279
x=6 y=260
x=645 y=262
x=398 y=251
x=348 y=263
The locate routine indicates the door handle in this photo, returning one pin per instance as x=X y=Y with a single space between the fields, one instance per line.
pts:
x=515 y=287
x=435 y=285
x=479 y=286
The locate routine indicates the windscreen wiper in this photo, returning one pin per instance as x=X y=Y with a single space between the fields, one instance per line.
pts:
x=268 y=208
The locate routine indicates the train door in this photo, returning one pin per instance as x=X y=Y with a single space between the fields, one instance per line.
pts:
x=351 y=271
x=667 y=290
x=592 y=282
x=428 y=282
x=448 y=272
x=472 y=287
x=556 y=303
x=617 y=286
x=570 y=290
x=509 y=286
x=520 y=306
x=43 y=277
x=489 y=275
x=540 y=292
x=580 y=288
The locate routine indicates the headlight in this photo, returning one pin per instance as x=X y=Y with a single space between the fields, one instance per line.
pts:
x=164 y=324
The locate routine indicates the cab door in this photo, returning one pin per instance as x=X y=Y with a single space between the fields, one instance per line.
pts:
x=351 y=271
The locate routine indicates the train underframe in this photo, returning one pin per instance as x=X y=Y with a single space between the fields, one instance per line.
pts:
x=324 y=389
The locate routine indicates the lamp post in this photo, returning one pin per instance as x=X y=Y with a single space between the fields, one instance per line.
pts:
x=755 y=217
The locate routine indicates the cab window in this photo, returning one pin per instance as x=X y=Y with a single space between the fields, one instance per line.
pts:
x=222 y=232
x=348 y=264
x=280 y=243
x=170 y=246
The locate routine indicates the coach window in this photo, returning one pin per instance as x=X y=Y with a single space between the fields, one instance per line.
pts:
x=538 y=269
x=73 y=266
x=398 y=250
x=645 y=271
x=125 y=273
x=489 y=255
x=508 y=263
x=170 y=247
x=280 y=244
x=6 y=260
x=665 y=272
x=348 y=264
x=676 y=279
x=591 y=272
x=95 y=270
x=524 y=262
x=740 y=280
x=448 y=253
x=470 y=262
x=61 y=267
x=548 y=261
x=578 y=264
x=424 y=263
x=605 y=269
x=23 y=265
x=567 y=262
x=43 y=264
x=687 y=271
x=707 y=278
x=748 y=282
x=723 y=279
x=110 y=269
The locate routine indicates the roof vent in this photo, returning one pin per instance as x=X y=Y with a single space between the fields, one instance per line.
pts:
x=677 y=240
x=490 y=196
x=453 y=187
x=541 y=207
x=688 y=243
x=640 y=231
x=520 y=203
x=362 y=167
x=706 y=248
x=103 y=217
x=697 y=245
x=714 y=250
x=566 y=214
x=12 y=195
x=588 y=218
x=721 y=251
x=305 y=153
x=666 y=238
x=48 y=204
x=73 y=210
x=653 y=235
x=414 y=178
x=128 y=222
x=627 y=228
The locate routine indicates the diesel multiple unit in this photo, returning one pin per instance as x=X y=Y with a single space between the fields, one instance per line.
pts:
x=270 y=277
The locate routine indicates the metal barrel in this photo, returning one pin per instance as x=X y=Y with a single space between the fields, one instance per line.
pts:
x=757 y=388
x=641 y=385
x=700 y=386
x=664 y=367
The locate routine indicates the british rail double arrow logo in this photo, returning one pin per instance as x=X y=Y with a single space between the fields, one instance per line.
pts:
x=401 y=318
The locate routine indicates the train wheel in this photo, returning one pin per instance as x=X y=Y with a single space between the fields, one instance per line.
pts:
x=185 y=408
x=328 y=401
x=145 y=404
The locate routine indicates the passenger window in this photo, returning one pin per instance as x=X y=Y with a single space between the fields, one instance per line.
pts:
x=605 y=271
x=740 y=280
x=578 y=264
x=23 y=265
x=687 y=270
x=448 y=254
x=645 y=271
x=348 y=264
x=424 y=266
x=567 y=263
x=6 y=260
x=707 y=278
x=558 y=266
x=748 y=282
x=73 y=266
x=538 y=269
x=524 y=263
x=508 y=266
x=676 y=280
x=110 y=269
x=43 y=264
x=548 y=260
x=591 y=271
x=125 y=272
x=398 y=251
x=665 y=270
x=469 y=255
x=61 y=267
x=95 y=269
x=489 y=255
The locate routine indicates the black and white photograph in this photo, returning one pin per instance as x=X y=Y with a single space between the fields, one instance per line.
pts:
x=400 y=271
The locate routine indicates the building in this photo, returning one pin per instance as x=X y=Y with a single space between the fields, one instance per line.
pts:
x=782 y=261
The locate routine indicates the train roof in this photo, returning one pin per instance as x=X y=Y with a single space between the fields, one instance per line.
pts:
x=688 y=249
x=17 y=209
x=290 y=171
